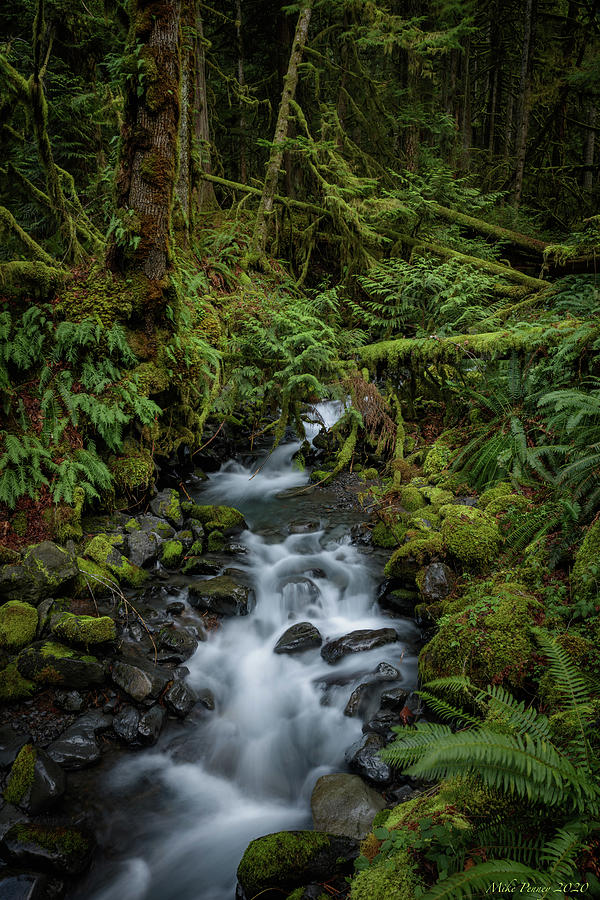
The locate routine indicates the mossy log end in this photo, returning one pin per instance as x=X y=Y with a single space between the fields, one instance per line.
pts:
x=35 y=279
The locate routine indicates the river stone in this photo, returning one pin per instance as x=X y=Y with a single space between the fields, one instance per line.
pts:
x=363 y=758
x=58 y=849
x=437 y=582
x=45 y=571
x=199 y=565
x=139 y=681
x=150 y=725
x=126 y=723
x=297 y=638
x=180 y=699
x=382 y=723
x=344 y=804
x=144 y=547
x=70 y=701
x=48 y=662
x=180 y=641
x=356 y=642
x=386 y=672
x=166 y=505
x=359 y=699
x=156 y=525
x=24 y=886
x=395 y=698
x=42 y=788
x=220 y=595
x=176 y=608
x=275 y=864
x=77 y=747
x=11 y=742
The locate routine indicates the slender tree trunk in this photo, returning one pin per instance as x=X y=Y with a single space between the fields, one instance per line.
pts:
x=241 y=82
x=203 y=193
x=467 y=130
x=146 y=175
x=524 y=103
x=265 y=209
x=589 y=147
x=183 y=186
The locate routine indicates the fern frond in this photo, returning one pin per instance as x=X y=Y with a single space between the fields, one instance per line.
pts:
x=476 y=880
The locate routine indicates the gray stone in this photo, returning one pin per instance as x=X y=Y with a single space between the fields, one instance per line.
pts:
x=77 y=747
x=199 y=565
x=167 y=506
x=222 y=596
x=357 y=642
x=48 y=662
x=45 y=571
x=363 y=758
x=298 y=638
x=144 y=547
x=126 y=723
x=180 y=641
x=176 y=608
x=157 y=525
x=10 y=744
x=438 y=581
x=47 y=785
x=150 y=725
x=70 y=701
x=395 y=698
x=32 y=849
x=206 y=698
x=386 y=672
x=24 y=886
x=139 y=681
x=180 y=699
x=382 y=723
x=344 y=804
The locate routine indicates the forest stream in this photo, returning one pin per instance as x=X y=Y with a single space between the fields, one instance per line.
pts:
x=182 y=813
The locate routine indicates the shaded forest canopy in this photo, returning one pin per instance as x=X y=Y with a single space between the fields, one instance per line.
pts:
x=214 y=216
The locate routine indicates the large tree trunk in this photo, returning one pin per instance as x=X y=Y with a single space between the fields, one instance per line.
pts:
x=148 y=158
x=243 y=165
x=265 y=209
x=524 y=103
x=202 y=191
x=589 y=147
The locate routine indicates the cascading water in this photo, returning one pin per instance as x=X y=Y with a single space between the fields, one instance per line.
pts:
x=248 y=767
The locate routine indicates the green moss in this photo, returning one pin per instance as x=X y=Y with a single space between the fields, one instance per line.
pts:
x=69 y=841
x=131 y=526
x=215 y=518
x=440 y=805
x=21 y=775
x=98 y=295
x=485 y=634
x=394 y=879
x=18 y=624
x=423 y=521
x=585 y=577
x=411 y=498
x=85 y=630
x=56 y=651
x=93 y=579
x=134 y=470
x=8 y=556
x=18 y=523
x=151 y=378
x=130 y=575
x=437 y=496
x=172 y=551
x=470 y=535
x=438 y=459
x=420 y=549
x=278 y=857
x=103 y=546
x=196 y=549
x=319 y=475
x=502 y=489
x=103 y=549
x=13 y=686
x=384 y=535
x=216 y=542
x=369 y=474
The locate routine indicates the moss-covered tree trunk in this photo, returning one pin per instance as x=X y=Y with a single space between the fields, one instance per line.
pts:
x=265 y=209
x=146 y=176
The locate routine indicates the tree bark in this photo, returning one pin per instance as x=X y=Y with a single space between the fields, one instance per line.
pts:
x=203 y=193
x=243 y=165
x=146 y=175
x=265 y=209
x=524 y=103
x=589 y=147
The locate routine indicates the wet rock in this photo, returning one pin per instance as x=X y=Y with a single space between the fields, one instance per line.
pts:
x=69 y=701
x=363 y=758
x=139 y=681
x=357 y=642
x=359 y=699
x=59 y=849
x=83 y=631
x=144 y=547
x=156 y=525
x=221 y=595
x=10 y=744
x=275 y=864
x=186 y=539
x=344 y=804
x=176 y=608
x=437 y=582
x=382 y=723
x=166 y=505
x=298 y=638
x=180 y=699
x=45 y=570
x=35 y=782
x=78 y=748
x=402 y=600
x=150 y=725
x=206 y=698
x=303 y=527
x=386 y=672
x=199 y=565
x=24 y=886
x=224 y=519
x=234 y=548
x=126 y=723
x=180 y=641
x=395 y=698
x=48 y=662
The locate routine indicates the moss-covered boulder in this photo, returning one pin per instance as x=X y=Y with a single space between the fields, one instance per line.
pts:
x=585 y=577
x=221 y=595
x=486 y=635
x=285 y=860
x=103 y=549
x=502 y=489
x=92 y=579
x=411 y=498
x=84 y=630
x=48 y=662
x=388 y=535
x=44 y=570
x=420 y=549
x=18 y=624
x=167 y=505
x=171 y=554
x=35 y=782
x=65 y=851
x=438 y=459
x=13 y=687
x=396 y=880
x=470 y=535
x=215 y=542
x=225 y=519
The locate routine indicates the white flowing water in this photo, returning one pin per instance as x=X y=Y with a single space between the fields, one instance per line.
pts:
x=248 y=768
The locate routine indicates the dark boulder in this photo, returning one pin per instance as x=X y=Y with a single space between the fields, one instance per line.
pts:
x=298 y=638
x=150 y=725
x=166 y=505
x=357 y=642
x=46 y=570
x=344 y=804
x=48 y=662
x=35 y=782
x=437 y=582
x=222 y=596
x=144 y=547
x=25 y=886
x=11 y=742
x=66 y=851
x=126 y=724
x=139 y=680
x=363 y=758
x=180 y=699
x=77 y=747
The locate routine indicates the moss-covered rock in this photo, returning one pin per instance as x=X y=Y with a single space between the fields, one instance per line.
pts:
x=470 y=535
x=585 y=577
x=167 y=505
x=134 y=470
x=225 y=519
x=438 y=459
x=416 y=552
x=44 y=569
x=84 y=630
x=8 y=556
x=103 y=549
x=18 y=624
x=33 y=846
x=21 y=775
x=411 y=498
x=279 y=862
x=216 y=542
x=437 y=496
x=485 y=634
x=93 y=579
x=48 y=662
x=388 y=535
x=396 y=879
x=172 y=553
x=13 y=686
x=502 y=489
